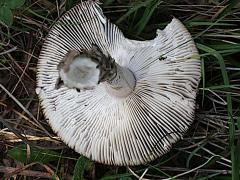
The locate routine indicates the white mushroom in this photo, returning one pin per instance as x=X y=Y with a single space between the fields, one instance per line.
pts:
x=130 y=113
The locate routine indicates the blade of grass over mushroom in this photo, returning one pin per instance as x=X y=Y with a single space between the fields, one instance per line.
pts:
x=213 y=52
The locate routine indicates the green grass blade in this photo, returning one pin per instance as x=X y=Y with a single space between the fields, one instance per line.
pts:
x=193 y=153
x=205 y=23
x=132 y=10
x=203 y=79
x=146 y=16
x=79 y=168
x=213 y=52
x=229 y=7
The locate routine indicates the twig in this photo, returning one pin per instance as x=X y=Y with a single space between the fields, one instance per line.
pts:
x=11 y=137
x=133 y=173
x=24 y=109
x=17 y=170
x=31 y=173
x=192 y=170
x=143 y=174
x=50 y=171
x=179 y=169
x=9 y=50
x=21 y=115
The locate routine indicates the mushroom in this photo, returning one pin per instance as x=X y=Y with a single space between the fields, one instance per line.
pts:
x=115 y=100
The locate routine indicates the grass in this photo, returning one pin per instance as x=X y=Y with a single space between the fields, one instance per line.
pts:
x=210 y=149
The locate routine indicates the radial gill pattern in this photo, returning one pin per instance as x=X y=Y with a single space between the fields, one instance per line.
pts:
x=121 y=131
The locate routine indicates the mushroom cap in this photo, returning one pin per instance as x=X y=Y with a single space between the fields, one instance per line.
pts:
x=120 y=131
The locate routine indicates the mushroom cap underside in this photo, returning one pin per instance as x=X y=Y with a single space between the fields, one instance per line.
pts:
x=121 y=131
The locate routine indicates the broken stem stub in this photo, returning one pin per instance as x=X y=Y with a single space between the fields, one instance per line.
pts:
x=85 y=70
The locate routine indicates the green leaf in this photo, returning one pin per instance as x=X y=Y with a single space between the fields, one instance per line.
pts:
x=13 y=4
x=6 y=16
x=19 y=153
x=81 y=164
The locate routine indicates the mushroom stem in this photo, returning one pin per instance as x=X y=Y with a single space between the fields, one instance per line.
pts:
x=85 y=70
x=122 y=84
